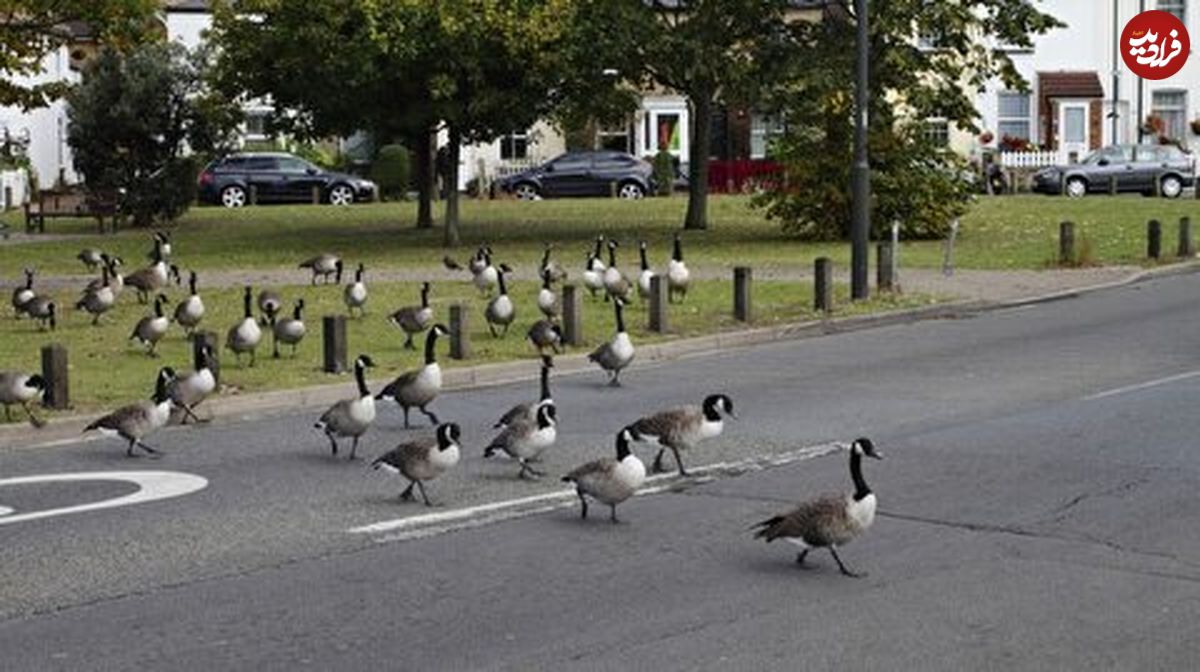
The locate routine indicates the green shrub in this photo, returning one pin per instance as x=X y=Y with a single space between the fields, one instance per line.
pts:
x=664 y=172
x=391 y=171
x=316 y=155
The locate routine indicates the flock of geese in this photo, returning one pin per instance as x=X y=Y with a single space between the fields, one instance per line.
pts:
x=524 y=433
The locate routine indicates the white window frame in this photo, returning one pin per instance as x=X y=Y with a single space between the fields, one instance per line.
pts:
x=1025 y=119
x=511 y=140
x=1179 y=133
x=251 y=133
x=1176 y=7
x=937 y=131
x=763 y=129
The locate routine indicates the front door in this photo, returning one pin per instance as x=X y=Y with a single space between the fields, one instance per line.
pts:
x=1074 y=141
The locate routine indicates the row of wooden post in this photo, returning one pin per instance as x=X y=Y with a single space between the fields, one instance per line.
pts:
x=252 y=195
x=1185 y=248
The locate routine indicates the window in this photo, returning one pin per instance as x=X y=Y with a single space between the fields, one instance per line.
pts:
x=290 y=165
x=1012 y=118
x=1176 y=7
x=615 y=138
x=764 y=128
x=1171 y=107
x=937 y=131
x=515 y=145
x=256 y=125
x=572 y=163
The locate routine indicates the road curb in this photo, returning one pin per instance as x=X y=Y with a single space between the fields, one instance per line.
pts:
x=242 y=407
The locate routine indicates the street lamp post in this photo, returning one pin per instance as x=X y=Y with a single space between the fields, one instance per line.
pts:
x=860 y=223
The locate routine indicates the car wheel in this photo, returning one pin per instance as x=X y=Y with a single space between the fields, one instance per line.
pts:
x=1171 y=187
x=526 y=192
x=233 y=196
x=631 y=191
x=1076 y=187
x=341 y=194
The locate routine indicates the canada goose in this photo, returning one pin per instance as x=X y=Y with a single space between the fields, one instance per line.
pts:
x=424 y=459
x=451 y=264
x=115 y=279
x=324 y=265
x=549 y=266
x=593 y=277
x=545 y=334
x=190 y=311
x=150 y=329
x=682 y=428
x=829 y=521
x=678 y=275
x=607 y=480
x=350 y=417
x=98 y=301
x=138 y=420
x=500 y=310
x=188 y=390
x=418 y=389
x=290 y=330
x=615 y=282
x=355 y=294
x=269 y=304
x=479 y=260
x=244 y=336
x=152 y=278
x=91 y=257
x=23 y=294
x=616 y=354
x=525 y=439
x=598 y=253
x=42 y=309
x=21 y=388
x=414 y=319
x=547 y=299
x=528 y=410
x=162 y=243
x=487 y=275
x=643 y=283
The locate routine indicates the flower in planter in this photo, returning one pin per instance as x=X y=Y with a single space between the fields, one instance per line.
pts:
x=986 y=137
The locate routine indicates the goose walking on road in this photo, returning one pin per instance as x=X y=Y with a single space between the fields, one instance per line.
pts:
x=500 y=310
x=424 y=459
x=829 y=521
x=190 y=311
x=417 y=389
x=412 y=320
x=678 y=276
x=525 y=440
x=190 y=389
x=138 y=420
x=21 y=389
x=682 y=428
x=151 y=329
x=355 y=294
x=528 y=410
x=616 y=354
x=607 y=480
x=289 y=330
x=244 y=336
x=324 y=265
x=350 y=417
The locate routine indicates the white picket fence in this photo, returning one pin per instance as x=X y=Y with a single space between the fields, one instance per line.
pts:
x=1031 y=159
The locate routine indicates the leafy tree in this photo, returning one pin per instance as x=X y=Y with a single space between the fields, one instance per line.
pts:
x=913 y=180
x=135 y=121
x=32 y=29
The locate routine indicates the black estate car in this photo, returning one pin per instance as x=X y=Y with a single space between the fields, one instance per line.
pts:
x=278 y=178
x=1146 y=169
x=583 y=174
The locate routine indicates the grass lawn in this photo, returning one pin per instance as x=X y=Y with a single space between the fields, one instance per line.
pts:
x=107 y=369
x=998 y=232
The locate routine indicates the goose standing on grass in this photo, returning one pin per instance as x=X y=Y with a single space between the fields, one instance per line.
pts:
x=616 y=354
x=21 y=389
x=451 y=264
x=23 y=294
x=547 y=299
x=188 y=390
x=152 y=278
x=190 y=311
x=412 y=320
x=244 y=336
x=151 y=329
x=484 y=274
x=684 y=427
x=615 y=283
x=593 y=277
x=98 y=301
x=478 y=261
x=597 y=253
x=355 y=294
x=607 y=480
x=500 y=310
x=115 y=279
x=350 y=417
x=643 y=283
x=424 y=459
x=545 y=334
x=829 y=521
x=44 y=310
x=162 y=240
x=678 y=275
x=141 y=419
x=270 y=302
x=525 y=440
x=289 y=330
x=324 y=265
x=528 y=410
x=417 y=389
x=549 y=266
x=91 y=257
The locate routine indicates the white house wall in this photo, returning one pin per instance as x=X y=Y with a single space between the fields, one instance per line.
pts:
x=46 y=127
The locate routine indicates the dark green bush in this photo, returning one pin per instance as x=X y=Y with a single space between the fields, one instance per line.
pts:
x=391 y=171
x=664 y=172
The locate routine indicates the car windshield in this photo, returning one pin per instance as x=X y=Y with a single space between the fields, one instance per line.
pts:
x=1112 y=154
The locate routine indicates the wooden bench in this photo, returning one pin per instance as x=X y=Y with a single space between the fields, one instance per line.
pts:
x=54 y=204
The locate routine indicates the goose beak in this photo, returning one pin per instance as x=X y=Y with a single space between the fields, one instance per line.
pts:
x=734 y=415
x=877 y=455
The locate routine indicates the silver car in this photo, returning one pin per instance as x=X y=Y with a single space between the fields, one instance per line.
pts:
x=1145 y=169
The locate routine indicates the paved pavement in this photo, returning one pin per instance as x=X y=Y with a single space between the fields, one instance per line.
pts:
x=1025 y=523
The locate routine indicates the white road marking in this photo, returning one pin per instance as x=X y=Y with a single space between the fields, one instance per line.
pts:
x=1142 y=386
x=152 y=486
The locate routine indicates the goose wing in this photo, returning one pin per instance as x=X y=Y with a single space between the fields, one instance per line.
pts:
x=666 y=426
x=818 y=522
x=587 y=476
x=405 y=454
x=515 y=413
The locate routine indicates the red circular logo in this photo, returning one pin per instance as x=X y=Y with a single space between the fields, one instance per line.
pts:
x=1155 y=44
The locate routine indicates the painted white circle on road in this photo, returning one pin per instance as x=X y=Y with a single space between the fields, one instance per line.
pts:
x=152 y=486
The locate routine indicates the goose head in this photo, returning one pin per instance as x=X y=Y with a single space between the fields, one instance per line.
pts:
x=448 y=435
x=36 y=382
x=716 y=404
x=864 y=446
x=364 y=361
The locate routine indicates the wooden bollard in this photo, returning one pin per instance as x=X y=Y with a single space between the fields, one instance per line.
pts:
x=316 y=195
x=572 y=316
x=209 y=338
x=742 y=308
x=1187 y=248
x=54 y=370
x=253 y=194
x=884 y=280
x=1112 y=185
x=1066 y=244
x=1153 y=239
x=823 y=285
x=460 y=333
x=334 y=331
x=658 y=304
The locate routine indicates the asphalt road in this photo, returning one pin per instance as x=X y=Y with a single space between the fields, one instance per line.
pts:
x=1026 y=522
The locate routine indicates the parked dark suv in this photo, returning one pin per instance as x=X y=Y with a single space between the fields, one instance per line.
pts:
x=278 y=178
x=584 y=174
x=1147 y=169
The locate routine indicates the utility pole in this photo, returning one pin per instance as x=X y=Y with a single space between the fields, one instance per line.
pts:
x=860 y=222
x=1116 y=73
x=1141 y=94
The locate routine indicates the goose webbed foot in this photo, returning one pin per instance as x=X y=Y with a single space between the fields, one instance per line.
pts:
x=842 y=567
x=679 y=462
x=425 y=497
x=407 y=495
x=800 y=559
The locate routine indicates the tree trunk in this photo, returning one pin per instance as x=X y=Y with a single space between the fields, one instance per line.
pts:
x=426 y=179
x=697 y=210
x=451 y=177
